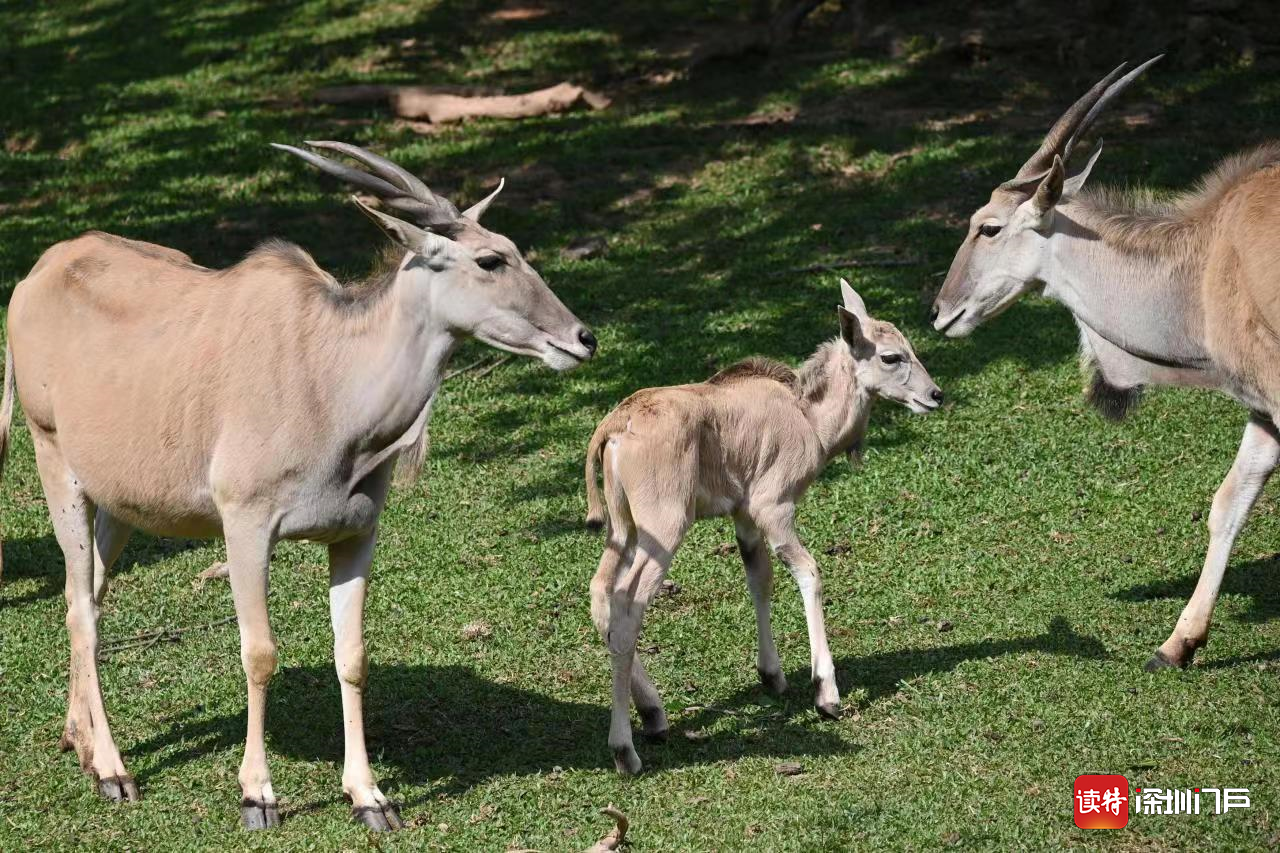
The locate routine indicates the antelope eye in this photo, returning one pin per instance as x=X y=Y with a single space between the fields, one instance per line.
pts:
x=891 y=358
x=989 y=230
x=490 y=262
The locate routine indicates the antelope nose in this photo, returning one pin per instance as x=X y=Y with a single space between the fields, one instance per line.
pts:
x=588 y=340
x=933 y=315
x=936 y=394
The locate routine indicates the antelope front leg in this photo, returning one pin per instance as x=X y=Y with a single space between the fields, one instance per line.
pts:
x=248 y=559
x=349 y=563
x=1256 y=459
x=755 y=559
x=779 y=527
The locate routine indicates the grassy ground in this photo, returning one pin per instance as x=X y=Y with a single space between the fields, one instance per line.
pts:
x=1060 y=549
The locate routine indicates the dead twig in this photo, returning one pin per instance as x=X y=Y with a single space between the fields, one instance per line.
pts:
x=492 y=367
x=614 y=839
x=849 y=262
x=461 y=370
x=147 y=639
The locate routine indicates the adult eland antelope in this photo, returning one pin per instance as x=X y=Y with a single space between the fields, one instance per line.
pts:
x=256 y=403
x=1184 y=291
x=746 y=443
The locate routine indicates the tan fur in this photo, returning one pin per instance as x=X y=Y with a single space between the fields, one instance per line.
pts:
x=746 y=443
x=1180 y=291
x=261 y=402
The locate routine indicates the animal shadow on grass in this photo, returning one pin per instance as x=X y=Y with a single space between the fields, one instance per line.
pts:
x=881 y=675
x=1256 y=579
x=448 y=728
x=40 y=558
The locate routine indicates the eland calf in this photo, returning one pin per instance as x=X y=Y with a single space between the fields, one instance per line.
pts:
x=1182 y=291
x=257 y=403
x=746 y=443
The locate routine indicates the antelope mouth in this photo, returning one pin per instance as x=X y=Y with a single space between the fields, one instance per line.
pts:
x=945 y=326
x=559 y=357
x=573 y=355
x=921 y=407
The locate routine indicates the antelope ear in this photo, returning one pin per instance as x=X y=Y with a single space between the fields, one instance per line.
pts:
x=852 y=301
x=1050 y=189
x=1075 y=183
x=413 y=238
x=851 y=331
x=475 y=211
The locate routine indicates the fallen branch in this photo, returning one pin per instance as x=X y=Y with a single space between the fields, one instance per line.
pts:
x=439 y=107
x=147 y=639
x=850 y=262
x=614 y=839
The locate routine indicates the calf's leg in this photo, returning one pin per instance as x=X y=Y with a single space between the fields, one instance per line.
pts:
x=778 y=525
x=1256 y=459
x=619 y=551
x=349 y=563
x=657 y=541
x=755 y=558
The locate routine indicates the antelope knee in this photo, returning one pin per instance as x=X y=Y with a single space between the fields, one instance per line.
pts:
x=259 y=658
x=352 y=664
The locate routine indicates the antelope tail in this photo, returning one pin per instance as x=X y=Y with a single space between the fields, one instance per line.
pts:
x=6 y=420
x=595 y=505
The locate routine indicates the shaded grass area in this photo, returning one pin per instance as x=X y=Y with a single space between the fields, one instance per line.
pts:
x=1060 y=549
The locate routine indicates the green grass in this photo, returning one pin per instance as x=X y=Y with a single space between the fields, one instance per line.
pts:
x=1060 y=548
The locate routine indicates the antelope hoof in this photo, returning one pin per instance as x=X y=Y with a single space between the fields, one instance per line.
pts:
x=256 y=814
x=379 y=818
x=654 y=723
x=1160 y=661
x=119 y=789
x=774 y=682
x=830 y=710
x=626 y=761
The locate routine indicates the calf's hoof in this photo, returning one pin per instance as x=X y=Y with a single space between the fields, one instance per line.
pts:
x=379 y=818
x=119 y=789
x=626 y=761
x=256 y=814
x=653 y=723
x=774 y=682
x=1160 y=661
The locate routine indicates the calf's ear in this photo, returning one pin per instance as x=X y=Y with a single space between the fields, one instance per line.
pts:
x=852 y=334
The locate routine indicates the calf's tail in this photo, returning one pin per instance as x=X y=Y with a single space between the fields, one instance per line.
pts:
x=595 y=503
